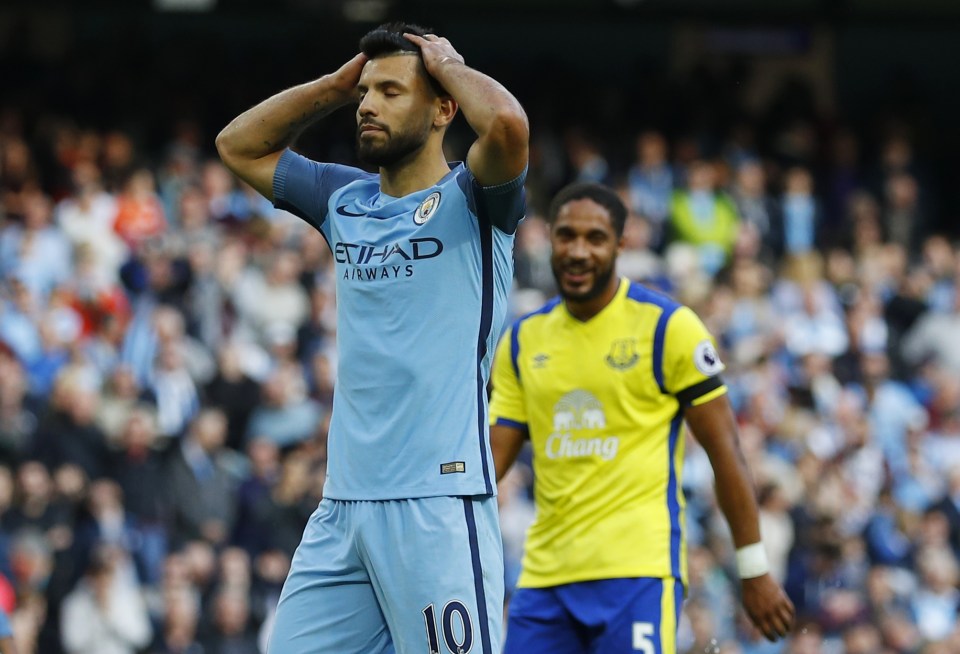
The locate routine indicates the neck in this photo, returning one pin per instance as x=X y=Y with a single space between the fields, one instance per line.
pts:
x=584 y=310
x=421 y=169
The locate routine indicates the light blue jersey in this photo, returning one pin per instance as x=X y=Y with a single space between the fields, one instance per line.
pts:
x=422 y=284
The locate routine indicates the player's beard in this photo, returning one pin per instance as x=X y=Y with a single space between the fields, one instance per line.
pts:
x=601 y=280
x=395 y=149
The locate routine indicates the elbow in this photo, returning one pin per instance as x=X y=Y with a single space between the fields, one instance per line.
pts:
x=223 y=144
x=229 y=149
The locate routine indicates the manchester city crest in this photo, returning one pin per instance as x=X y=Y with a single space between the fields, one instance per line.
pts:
x=427 y=208
x=623 y=354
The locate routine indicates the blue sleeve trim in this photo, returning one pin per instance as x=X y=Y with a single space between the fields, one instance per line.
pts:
x=503 y=205
x=515 y=348
x=659 y=336
x=506 y=187
x=522 y=426
x=280 y=178
x=668 y=306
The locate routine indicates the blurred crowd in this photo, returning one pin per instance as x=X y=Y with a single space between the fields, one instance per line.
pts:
x=166 y=373
x=168 y=358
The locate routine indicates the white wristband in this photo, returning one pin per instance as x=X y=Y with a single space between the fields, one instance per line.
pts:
x=752 y=561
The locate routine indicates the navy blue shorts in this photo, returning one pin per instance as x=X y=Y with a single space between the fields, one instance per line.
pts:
x=610 y=616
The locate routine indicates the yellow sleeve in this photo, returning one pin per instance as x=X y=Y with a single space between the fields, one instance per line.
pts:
x=691 y=364
x=506 y=402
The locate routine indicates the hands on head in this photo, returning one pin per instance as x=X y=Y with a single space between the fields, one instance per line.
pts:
x=435 y=50
x=348 y=75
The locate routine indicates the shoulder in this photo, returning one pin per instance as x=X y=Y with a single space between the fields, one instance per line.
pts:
x=511 y=338
x=294 y=168
x=460 y=178
x=543 y=311
x=674 y=320
x=639 y=293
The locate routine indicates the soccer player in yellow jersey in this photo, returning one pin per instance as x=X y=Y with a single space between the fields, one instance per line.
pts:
x=601 y=381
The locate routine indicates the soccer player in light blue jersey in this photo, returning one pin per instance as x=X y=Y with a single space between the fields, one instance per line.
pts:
x=403 y=553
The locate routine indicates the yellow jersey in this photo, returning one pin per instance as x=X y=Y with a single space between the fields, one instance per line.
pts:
x=602 y=402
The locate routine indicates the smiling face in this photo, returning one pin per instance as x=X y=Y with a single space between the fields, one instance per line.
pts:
x=585 y=248
x=397 y=109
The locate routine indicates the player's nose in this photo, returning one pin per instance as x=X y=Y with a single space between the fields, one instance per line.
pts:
x=578 y=249
x=367 y=106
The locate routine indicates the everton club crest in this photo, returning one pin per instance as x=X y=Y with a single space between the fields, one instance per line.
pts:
x=623 y=354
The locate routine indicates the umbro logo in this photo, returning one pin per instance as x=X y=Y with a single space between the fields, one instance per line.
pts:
x=540 y=360
x=342 y=210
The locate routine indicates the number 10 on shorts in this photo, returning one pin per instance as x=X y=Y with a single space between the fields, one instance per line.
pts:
x=456 y=626
x=643 y=638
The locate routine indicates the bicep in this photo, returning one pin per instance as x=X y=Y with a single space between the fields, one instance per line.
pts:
x=713 y=424
x=500 y=155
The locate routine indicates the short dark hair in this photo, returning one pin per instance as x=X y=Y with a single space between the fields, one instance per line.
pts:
x=602 y=195
x=387 y=39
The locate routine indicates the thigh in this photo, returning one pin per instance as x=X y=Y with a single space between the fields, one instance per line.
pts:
x=538 y=623
x=327 y=605
x=630 y=616
x=436 y=565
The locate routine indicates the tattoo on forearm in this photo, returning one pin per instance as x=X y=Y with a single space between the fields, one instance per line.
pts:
x=304 y=120
x=320 y=109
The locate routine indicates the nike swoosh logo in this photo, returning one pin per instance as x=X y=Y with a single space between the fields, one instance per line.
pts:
x=342 y=210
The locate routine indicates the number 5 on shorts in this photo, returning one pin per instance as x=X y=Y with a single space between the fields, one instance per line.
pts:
x=643 y=638
x=456 y=643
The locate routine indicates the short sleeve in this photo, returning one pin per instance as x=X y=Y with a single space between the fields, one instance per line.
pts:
x=506 y=404
x=503 y=205
x=691 y=364
x=303 y=186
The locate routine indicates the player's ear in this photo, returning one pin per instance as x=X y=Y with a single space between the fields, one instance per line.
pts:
x=446 y=110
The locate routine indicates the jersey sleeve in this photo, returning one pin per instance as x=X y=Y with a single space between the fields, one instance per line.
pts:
x=303 y=186
x=691 y=365
x=503 y=205
x=506 y=403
